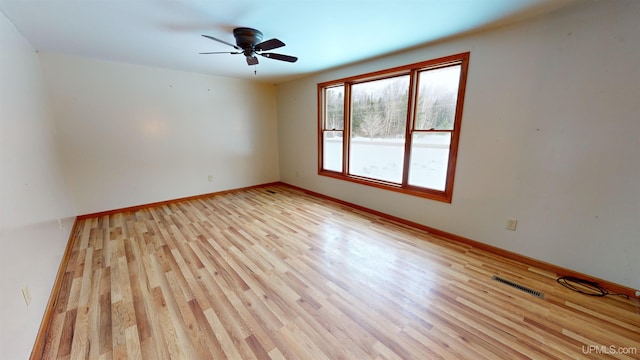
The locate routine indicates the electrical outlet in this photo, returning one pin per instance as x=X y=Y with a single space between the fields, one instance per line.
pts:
x=512 y=224
x=60 y=225
x=26 y=293
x=210 y=178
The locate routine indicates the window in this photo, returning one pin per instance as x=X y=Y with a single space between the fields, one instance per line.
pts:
x=396 y=129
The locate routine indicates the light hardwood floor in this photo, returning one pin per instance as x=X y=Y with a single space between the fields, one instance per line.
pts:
x=273 y=273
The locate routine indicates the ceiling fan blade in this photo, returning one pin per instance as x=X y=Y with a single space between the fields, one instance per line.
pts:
x=252 y=60
x=269 y=45
x=222 y=41
x=219 y=52
x=280 y=57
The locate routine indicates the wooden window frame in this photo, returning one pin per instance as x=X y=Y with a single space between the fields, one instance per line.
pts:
x=412 y=70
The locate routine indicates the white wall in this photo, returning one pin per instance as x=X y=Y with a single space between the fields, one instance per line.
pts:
x=134 y=135
x=33 y=195
x=550 y=136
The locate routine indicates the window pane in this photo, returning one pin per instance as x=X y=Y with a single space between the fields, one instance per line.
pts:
x=334 y=112
x=332 y=146
x=379 y=159
x=378 y=123
x=437 y=97
x=429 y=159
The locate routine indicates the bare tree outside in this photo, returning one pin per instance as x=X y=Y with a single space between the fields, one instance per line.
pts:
x=334 y=108
x=380 y=105
x=373 y=125
x=437 y=97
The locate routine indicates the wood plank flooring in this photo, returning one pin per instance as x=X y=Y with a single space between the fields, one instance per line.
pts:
x=273 y=273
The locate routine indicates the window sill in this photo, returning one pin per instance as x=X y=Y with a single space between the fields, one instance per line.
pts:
x=413 y=191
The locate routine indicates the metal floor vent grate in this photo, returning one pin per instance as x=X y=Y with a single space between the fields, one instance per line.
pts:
x=271 y=192
x=535 y=293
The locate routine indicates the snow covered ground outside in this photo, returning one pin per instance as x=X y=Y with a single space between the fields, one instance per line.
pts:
x=383 y=158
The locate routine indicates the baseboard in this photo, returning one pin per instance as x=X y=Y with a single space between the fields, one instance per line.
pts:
x=558 y=270
x=47 y=318
x=166 y=202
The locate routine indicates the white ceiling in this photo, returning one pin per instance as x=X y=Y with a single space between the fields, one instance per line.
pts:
x=322 y=34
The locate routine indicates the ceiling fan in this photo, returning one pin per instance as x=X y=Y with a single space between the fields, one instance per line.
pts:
x=249 y=43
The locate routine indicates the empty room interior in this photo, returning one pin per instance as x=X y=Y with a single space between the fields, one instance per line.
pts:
x=401 y=180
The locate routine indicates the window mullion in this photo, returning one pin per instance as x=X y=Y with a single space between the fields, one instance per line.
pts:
x=411 y=106
x=346 y=131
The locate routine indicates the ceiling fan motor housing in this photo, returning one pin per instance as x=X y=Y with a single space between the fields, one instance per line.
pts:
x=246 y=38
